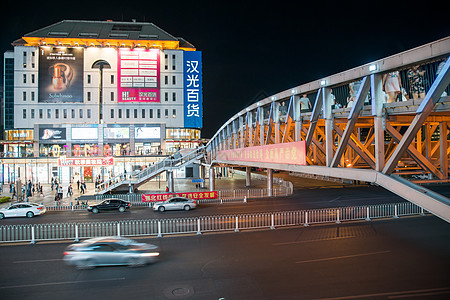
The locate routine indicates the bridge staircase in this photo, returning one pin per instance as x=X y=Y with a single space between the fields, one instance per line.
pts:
x=126 y=182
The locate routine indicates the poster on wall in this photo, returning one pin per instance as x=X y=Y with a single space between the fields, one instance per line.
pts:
x=138 y=75
x=60 y=74
x=192 y=80
x=148 y=133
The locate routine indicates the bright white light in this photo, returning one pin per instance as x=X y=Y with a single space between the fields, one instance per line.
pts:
x=323 y=82
x=373 y=68
x=293 y=91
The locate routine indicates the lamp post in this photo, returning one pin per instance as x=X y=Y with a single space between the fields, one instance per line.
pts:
x=100 y=64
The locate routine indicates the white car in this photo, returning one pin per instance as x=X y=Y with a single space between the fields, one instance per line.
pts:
x=110 y=251
x=175 y=203
x=22 y=210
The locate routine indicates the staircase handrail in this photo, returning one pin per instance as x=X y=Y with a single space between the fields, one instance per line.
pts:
x=171 y=161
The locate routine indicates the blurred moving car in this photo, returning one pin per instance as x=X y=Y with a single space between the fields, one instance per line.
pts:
x=110 y=251
x=22 y=210
x=175 y=203
x=110 y=204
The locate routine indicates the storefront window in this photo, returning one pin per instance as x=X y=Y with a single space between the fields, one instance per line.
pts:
x=183 y=133
x=85 y=150
x=147 y=148
x=18 y=150
x=53 y=150
x=116 y=149
x=174 y=146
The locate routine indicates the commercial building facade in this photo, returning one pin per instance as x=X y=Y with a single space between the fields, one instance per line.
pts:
x=96 y=89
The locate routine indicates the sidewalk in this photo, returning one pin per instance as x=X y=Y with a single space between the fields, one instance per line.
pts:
x=181 y=185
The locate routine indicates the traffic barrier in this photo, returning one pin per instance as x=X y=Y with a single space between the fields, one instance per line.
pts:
x=199 y=225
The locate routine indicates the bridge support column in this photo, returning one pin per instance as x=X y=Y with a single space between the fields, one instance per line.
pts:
x=248 y=176
x=212 y=179
x=170 y=183
x=269 y=182
x=379 y=143
x=203 y=175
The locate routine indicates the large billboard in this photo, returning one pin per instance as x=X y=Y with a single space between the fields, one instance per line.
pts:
x=60 y=74
x=193 y=112
x=138 y=75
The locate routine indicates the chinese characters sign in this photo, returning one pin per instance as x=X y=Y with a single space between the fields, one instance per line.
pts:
x=284 y=153
x=190 y=195
x=138 y=75
x=193 y=111
x=95 y=162
x=60 y=74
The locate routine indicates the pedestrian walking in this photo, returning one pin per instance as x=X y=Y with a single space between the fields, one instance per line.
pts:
x=78 y=184
x=60 y=192
x=69 y=191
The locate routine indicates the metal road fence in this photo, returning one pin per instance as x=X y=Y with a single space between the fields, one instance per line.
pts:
x=199 y=225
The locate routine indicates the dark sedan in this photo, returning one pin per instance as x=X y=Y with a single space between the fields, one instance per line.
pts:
x=109 y=205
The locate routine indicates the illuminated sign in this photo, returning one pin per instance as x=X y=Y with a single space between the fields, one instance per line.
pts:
x=138 y=75
x=95 y=162
x=192 y=80
x=190 y=195
x=19 y=134
x=60 y=74
x=52 y=134
x=84 y=133
x=147 y=132
x=285 y=153
x=116 y=133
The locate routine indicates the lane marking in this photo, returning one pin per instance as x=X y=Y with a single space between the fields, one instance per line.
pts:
x=35 y=261
x=407 y=294
x=341 y=257
x=312 y=241
x=58 y=283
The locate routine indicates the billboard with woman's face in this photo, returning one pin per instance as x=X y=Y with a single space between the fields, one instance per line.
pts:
x=60 y=74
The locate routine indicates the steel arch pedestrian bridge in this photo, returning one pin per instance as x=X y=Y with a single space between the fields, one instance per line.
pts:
x=392 y=144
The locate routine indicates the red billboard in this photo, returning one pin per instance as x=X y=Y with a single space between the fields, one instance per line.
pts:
x=285 y=153
x=190 y=195
x=138 y=75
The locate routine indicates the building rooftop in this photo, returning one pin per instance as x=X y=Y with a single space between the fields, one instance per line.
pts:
x=103 y=33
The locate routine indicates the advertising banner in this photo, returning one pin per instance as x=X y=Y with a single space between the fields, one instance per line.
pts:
x=138 y=75
x=190 y=195
x=60 y=74
x=94 y=162
x=116 y=132
x=52 y=134
x=148 y=133
x=284 y=153
x=192 y=80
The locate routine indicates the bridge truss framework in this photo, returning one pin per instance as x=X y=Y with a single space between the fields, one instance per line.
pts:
x=372 y=141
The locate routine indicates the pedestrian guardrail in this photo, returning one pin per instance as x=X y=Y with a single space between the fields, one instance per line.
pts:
x=198 y=225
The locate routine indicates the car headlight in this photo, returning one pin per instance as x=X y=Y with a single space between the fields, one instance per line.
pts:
x=151 y=254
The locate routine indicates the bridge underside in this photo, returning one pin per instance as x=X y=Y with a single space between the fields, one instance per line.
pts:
x=425 y=198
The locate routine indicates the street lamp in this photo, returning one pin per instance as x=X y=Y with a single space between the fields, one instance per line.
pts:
x=100 y=64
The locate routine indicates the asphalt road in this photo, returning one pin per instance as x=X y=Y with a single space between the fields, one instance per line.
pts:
x=305 y=198
x=301 y=199
x=402 y=258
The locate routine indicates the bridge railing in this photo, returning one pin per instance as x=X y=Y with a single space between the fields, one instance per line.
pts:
x=198 y=225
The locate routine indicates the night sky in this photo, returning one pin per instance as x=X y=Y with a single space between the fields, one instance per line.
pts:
x=251 y=51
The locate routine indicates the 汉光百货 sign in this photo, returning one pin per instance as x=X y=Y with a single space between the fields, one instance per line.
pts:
x=193 y=112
